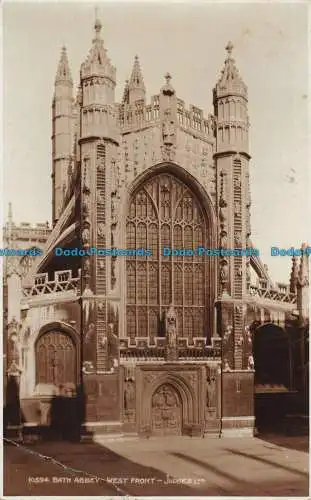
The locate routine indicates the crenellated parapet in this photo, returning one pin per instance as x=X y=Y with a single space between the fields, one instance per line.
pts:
x=27 y=232
x=142 y=349
x=138 y=115
x=193 y=121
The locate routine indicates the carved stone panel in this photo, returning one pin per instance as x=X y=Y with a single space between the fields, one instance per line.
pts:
x=166 y=414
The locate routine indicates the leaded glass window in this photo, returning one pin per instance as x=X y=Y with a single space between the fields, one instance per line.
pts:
x=164 y=212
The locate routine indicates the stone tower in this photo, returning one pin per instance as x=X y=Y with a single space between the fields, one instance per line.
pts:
x=232 y=159
x=98 y=144
x=233 y=199
x=62 y=134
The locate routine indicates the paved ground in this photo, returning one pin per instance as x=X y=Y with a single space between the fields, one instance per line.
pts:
x=270 y=466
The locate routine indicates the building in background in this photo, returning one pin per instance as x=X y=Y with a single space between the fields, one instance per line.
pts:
x=153 y=345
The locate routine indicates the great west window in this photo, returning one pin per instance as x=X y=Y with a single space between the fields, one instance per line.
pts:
x=164 y=212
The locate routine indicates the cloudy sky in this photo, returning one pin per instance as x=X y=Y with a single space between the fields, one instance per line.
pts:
x=187 y=39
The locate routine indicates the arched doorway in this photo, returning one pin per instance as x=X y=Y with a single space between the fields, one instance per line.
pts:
x=272 y=356
x=166 y=411
x=56 y=359
x=274 y=395
x=165 y=212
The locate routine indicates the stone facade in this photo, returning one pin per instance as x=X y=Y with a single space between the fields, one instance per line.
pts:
x=159 y=345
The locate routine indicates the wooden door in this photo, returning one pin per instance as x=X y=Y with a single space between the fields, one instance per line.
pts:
x=56 y=359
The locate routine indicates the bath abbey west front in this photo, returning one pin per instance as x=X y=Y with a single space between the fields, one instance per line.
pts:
x=152 y=345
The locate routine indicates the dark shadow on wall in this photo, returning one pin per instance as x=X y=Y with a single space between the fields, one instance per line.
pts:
x=12 y=414
x=66 y=417
x=61 y=417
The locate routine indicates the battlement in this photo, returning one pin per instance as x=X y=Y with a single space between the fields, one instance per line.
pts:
x=144 y=349
x=27 y=231
x=193 y=119
x=140 y=114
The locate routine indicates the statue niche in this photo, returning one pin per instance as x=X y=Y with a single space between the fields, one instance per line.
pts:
x=168 y=129
x=171 y=327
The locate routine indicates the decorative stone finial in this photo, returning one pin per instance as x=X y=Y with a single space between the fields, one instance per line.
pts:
x=97 y=24
x=168 y=78
x=229 y=48
x=168 y=89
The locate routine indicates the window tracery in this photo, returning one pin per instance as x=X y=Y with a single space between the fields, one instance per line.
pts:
x=164 y=212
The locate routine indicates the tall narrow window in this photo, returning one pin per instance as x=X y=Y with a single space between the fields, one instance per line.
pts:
x=164 y=212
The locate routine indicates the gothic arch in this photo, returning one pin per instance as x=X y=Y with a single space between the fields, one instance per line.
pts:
x=188 y=398
x=154 y=283
x=61 y=326
x=272 y=354
x=185 y=176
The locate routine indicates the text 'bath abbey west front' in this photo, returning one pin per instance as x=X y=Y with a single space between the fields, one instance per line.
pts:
x=138 y=342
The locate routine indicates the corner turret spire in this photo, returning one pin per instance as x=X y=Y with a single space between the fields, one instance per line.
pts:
x=97 y=62
x=97 y=25
x=230 y=81
x=303 y=276
x=303 y=285
x=63 y=73
x=136 y=88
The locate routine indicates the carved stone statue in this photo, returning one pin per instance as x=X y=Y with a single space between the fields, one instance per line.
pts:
x=223 y=239
x=86 y=206
x=251 y=363
x=101 y=230
x=87 y=266
x=171 y=327
x=129 y=395
x=226 y=366
x=169 y=133
x=113 y=206
x=86 y=176
x=211 y=391
x=112 y=346
x=237 y=238
x=211 y=123
x=85 y=236
x=224 y=272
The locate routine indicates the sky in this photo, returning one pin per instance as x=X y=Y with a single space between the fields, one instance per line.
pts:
x=188 y=40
